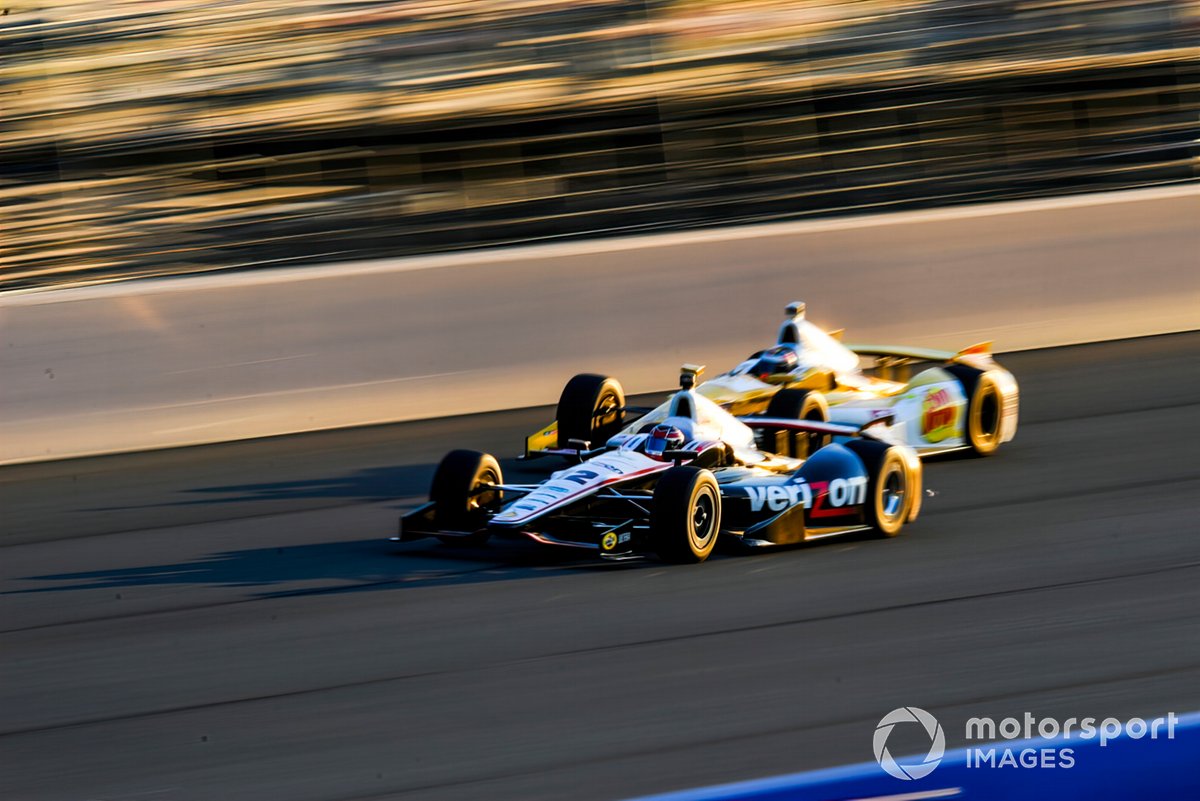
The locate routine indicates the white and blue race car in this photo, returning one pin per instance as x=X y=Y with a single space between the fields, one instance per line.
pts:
x=676 y=480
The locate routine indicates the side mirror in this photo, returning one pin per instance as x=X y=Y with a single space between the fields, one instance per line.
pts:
x=679 y=457
x=579 y=444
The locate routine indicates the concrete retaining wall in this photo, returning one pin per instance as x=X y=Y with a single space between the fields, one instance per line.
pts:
x=162 y=363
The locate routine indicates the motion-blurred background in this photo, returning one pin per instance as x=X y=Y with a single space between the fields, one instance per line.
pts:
x=152 y=137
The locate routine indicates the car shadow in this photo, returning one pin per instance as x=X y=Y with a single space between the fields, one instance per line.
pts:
x=335 y=567
x=369 y=485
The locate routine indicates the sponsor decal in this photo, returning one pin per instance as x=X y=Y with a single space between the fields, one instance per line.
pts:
x=831 y=498
x=778 y=497
x=539 y=497
x=939 y=415
x=577 y=482
x=821 y=498
x=609 y=541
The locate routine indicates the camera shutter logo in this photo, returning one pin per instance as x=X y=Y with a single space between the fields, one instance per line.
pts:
x=937 y=746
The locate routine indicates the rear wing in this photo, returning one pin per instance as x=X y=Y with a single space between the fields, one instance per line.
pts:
x=924 y=354
x=893 y=360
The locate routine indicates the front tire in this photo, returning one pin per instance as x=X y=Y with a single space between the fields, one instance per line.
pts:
x=799 y=404
x=891 y=490
x=686 y=518
x=459 y=507
x=590 y=409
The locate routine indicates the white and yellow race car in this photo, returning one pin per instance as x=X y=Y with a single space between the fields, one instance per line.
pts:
x=934 y=401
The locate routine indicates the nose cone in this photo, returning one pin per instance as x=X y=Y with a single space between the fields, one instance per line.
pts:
x=728 y=389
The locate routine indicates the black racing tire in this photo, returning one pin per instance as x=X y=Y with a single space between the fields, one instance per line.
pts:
x=458 y=507
x=686 y=519
x=801 y=404
x=590 y=409
x=985 y=408
x=891 y=490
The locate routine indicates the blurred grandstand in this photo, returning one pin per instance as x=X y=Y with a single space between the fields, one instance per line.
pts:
x=150 y=137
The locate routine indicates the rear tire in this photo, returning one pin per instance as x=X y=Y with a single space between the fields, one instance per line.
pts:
x=686 y=518
x=890 y=489
x=590 y=409
x=985 y=403
x=799 y=404
x=458 y=507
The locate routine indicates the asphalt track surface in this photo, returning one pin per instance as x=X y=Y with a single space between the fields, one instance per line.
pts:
x=229 y=622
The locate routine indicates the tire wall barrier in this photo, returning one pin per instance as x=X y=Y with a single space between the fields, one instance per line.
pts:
x=169 y=362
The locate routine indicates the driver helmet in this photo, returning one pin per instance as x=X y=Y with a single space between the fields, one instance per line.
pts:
x=664 y=438
x=775 y=361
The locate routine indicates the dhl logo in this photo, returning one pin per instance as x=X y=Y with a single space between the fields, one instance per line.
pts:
x=939 y=416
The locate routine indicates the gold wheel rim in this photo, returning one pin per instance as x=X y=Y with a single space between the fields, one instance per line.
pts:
x=985 y=440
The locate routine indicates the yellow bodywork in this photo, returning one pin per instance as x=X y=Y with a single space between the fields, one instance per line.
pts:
x=891 y=364
x=546 y=438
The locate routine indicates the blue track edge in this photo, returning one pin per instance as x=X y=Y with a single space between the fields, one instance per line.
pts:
x=1124 y=768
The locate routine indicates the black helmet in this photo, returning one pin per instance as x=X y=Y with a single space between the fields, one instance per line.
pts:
x=775 y=361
